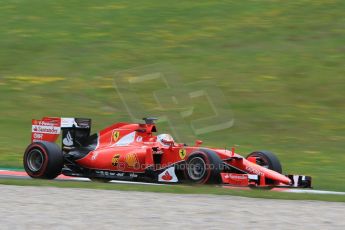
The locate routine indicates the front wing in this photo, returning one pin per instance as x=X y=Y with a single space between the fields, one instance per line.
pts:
x=253 y=180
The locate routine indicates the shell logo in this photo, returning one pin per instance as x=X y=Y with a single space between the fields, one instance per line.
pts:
x=116 y=135
x=132 y=160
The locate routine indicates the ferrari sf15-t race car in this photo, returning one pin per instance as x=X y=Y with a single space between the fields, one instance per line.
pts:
x=131 y=151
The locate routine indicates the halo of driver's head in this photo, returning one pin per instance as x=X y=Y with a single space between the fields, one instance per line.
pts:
x=165 y=139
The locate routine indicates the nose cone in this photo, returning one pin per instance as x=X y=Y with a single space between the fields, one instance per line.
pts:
x=268 y=173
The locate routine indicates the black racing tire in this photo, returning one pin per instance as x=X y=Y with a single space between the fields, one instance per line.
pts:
x=203 y=167
x=267 y=159
x=43 y=160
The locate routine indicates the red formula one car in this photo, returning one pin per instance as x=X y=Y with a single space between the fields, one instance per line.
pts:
x=126 y=151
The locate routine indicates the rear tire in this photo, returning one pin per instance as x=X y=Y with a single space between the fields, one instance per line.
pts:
x=43 y=160
x=203 y=167
x=268 y=160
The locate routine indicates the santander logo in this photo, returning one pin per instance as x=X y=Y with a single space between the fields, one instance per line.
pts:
x=253 y=170
x=46 y=129
x=167 y=176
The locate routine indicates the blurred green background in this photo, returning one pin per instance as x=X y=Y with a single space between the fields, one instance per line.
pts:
x=281 y=65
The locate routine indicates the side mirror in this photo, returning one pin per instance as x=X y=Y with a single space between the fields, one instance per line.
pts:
x=198 y=143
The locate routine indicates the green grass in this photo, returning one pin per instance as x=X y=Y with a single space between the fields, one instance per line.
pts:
x=176 y=189
x=280 y=65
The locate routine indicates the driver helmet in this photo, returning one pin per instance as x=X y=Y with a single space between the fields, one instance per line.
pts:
x=164 y=139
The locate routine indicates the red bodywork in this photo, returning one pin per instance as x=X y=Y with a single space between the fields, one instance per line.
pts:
x=131 y=148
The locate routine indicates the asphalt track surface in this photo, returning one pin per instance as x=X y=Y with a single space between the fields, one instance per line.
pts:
x=25 y=207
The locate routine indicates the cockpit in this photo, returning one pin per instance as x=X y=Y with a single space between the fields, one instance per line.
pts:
x=165 y=139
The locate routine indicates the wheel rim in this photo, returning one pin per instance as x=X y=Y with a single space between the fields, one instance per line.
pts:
x=35 y=160
x=196 y=168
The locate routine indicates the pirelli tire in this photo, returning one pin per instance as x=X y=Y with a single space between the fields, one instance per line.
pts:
x=43 y=160
x=267 y=160
x=203 y=167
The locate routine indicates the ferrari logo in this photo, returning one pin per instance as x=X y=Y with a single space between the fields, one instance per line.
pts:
x=116 y=135
x=182 y=153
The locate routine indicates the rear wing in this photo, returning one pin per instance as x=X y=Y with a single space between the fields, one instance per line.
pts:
x=73 y=130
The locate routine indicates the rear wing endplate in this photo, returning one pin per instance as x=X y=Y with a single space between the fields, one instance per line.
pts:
x=49 y=128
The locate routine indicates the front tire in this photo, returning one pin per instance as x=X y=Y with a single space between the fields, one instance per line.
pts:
x=267 y=159
x=43 y=160
x=203 y=167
